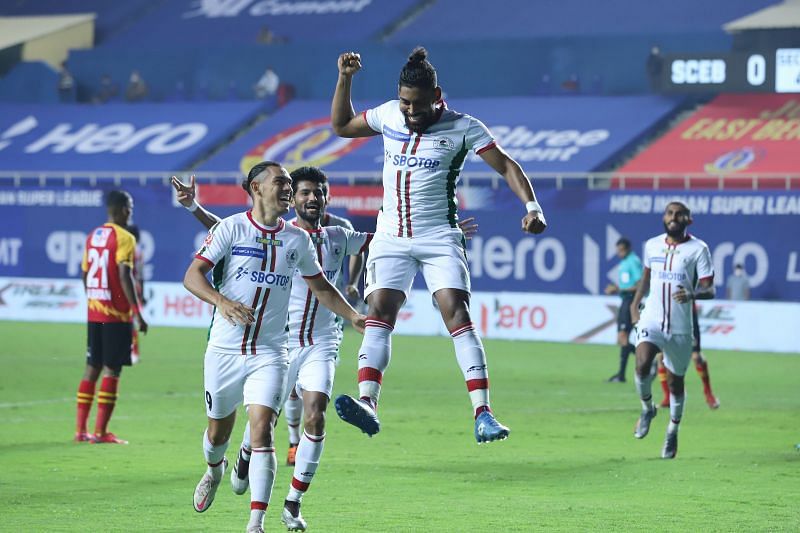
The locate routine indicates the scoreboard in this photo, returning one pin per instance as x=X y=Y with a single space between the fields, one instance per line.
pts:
x=774 y=71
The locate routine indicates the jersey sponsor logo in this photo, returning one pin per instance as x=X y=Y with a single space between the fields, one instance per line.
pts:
x=396 y=135
x=269 y=242
x=241 y=272
x=246 y=251
x=413 y=161
x=100 y=237
x=98 y=294
x=665 y=275
x=330 y=274
x=270 y=278
x=310 y=143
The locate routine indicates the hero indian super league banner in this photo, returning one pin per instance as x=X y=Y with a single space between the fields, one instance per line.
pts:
x=735 y=133
x=553 y=134
x=115 y=137
x=42 y=234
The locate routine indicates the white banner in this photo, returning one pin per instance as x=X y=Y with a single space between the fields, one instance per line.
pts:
x=727 y=325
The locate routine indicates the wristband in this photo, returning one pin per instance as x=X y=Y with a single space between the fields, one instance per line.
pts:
x=192 y=208
x=533 y=206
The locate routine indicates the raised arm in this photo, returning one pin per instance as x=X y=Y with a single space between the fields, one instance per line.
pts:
x=331 y=298
x=344 y=121
x=642 y=289
x=186 y=197
x=533 y=221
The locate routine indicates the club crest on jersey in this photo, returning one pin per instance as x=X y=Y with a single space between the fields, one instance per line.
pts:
x=291 y=257
x=337 y=251
x=443 y=144
x=269 y=242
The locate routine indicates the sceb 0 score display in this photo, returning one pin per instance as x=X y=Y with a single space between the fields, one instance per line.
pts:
x=777 y=71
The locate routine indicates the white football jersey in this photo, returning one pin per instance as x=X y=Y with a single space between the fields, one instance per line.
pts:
x=334 y=220
x=421 y=170
x=256 y=265
x=673 y=266
x=309 y=322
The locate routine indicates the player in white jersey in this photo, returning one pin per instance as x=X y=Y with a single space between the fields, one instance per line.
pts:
x=254 y=256
x=315 y=332
x=677 y=270
x=293 y=407
x=425 y=146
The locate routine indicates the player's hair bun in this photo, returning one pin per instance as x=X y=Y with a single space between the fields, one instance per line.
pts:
x=418 y=55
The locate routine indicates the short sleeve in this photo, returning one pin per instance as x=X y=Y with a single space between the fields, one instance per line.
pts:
x=705 y=267
x=479 y=138
x=357 y=241
x=646 y=255
x=307 y=263
x=126 y=246
x=376 y=116
x=216 y=244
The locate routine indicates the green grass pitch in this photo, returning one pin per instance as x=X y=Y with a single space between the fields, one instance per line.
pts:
x=571 y=462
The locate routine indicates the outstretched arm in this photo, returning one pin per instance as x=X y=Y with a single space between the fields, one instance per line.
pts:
x=331 y=298
x=495 y=157
x=186 y=197
x=344 y=121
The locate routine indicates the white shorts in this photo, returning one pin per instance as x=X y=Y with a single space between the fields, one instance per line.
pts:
x=312 y=368
x=250 y=379
x=394 y=261
x=677 y=349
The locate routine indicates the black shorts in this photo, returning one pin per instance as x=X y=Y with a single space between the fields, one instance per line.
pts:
x=109 y=344
x=624 y=322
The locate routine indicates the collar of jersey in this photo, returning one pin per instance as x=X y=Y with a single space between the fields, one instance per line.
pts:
x=259 y=227
x=318 y=230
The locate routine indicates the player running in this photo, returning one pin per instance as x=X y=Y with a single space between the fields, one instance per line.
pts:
x=425 y=146
x=254 y=256
x=107 y=277
x=700 y=364
x=677 y=271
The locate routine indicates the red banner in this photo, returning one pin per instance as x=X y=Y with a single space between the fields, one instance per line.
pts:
x=357 y=199
x=733 y=134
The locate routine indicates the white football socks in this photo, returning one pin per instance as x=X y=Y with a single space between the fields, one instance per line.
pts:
x=306 y=464
x=373 y=358
x=215 y=456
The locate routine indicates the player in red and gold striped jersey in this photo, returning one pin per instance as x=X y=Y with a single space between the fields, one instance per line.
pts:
x=107 y=276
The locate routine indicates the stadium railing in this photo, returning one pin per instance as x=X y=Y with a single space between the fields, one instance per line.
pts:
x=590 y=180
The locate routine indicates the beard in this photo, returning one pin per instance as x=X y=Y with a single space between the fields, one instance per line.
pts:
x=421 y=126
x=679 y=231
x=308 y=217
